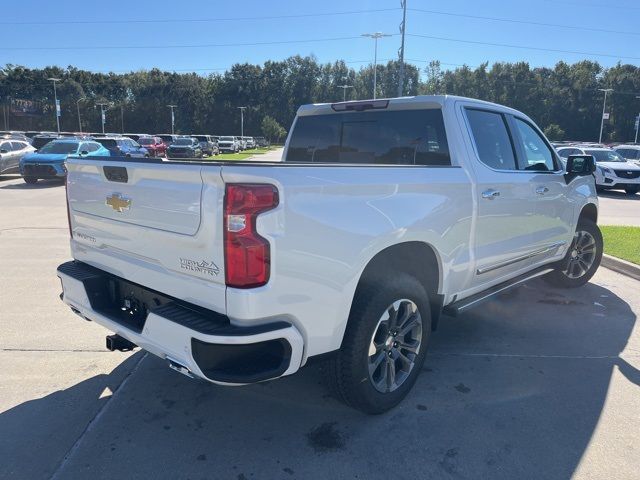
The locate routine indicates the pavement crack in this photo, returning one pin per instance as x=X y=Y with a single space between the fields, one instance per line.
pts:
x=96 y=418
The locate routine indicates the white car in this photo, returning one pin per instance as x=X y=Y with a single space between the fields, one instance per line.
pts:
x=612 y=172
x=228 y=144
x=631 y=153
x=382 y=215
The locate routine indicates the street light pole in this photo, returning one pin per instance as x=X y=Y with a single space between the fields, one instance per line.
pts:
x=242 y=109
x=637 y=124
x=375 y=37
x=173 y=118
x=55 y=97
x=344 y=91
x=78 y=109
x=102 y=117
x=403 y=4
x=604 y=108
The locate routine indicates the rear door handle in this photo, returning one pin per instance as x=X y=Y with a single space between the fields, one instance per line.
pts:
x=490 y=194
x=541 y=190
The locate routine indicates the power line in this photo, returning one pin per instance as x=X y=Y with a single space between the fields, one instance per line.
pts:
x=196 y=20
x=523 y=22
x=195 y=45
x=521 y=47
x=592 y=5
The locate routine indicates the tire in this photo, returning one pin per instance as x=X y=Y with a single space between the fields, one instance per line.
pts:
x=30 y=180
x=632 y=189
x=580 y=264
x=351 y=373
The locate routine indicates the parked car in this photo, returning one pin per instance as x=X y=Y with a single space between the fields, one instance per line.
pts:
x=168 y=139
x=123 y=147
x=154 y=145
x=228 y=144
x=255 y=270
x=40 y=141
x=135 y=136
x=184 y=147
x=612 y=172
x=630 y=153
x=49 y=161
x=261 y=142
x=207 y=144
x=242 y=144
x=11 y=152
x=249 y=142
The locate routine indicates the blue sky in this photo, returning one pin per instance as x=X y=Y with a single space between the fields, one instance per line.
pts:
x=23 y=43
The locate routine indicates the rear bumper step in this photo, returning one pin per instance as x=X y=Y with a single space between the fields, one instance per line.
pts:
x=456 y=308
x=193 y=340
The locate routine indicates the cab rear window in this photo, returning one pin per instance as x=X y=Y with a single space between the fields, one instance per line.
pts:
x=402 y=137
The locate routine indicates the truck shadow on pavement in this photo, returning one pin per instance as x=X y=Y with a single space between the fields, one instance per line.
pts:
x=513 y=390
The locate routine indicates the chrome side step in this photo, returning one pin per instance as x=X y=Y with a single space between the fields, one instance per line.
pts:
x=460 y=306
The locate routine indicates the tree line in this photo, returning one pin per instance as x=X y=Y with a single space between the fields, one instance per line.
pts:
x=564 y=100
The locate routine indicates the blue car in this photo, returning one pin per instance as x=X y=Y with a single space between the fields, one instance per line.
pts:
x=123 y=147
x=48 y=162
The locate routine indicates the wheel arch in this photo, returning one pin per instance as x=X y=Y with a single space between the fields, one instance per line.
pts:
x=589 y=212
x=418 y=259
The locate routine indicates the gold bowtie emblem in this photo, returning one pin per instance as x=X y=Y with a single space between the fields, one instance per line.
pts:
x=118 y=202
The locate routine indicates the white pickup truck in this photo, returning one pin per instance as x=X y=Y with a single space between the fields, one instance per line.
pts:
x=382 y=215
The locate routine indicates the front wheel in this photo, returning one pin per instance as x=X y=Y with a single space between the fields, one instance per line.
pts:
x=582 y=259
x=30 y=180
x=632 y=189
x=384 y=345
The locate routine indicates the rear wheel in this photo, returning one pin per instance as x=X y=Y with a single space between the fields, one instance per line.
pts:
x=384 y=345
x=632 y=189
x=582 y=259
x=30 y=180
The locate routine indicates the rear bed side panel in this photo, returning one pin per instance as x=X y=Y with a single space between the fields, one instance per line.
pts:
x=169 y=239
x=331 y=221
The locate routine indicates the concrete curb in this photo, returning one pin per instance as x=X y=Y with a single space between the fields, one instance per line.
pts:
x=621 y=266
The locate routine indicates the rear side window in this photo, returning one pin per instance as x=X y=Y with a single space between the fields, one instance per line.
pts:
x=108 y=143
x=492 y=140
x=406 y=137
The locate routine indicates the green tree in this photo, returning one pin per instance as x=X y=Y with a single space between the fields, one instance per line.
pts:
x=554 y=132
x=272 y=129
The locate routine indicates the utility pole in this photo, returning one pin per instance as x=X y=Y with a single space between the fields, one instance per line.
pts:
x=121 y=119
x=403 y=4
x=604 y=108
x=78 y=109
x=173 y=118
x=242 y=109
x=375 y=37
x=344 y=91
x=55 y=96
x=637 y=124
x=102 y=116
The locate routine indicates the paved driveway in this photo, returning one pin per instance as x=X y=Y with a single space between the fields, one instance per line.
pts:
x=539 y=383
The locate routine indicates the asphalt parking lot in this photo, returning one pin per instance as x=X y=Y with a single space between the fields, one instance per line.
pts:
x=538 y=383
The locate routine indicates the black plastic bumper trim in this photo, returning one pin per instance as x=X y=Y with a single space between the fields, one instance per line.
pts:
x=242 y=363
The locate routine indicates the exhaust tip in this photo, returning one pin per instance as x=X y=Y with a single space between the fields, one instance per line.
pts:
x=121 y=344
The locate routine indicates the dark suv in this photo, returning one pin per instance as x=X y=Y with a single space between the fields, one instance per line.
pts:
x=209 y=145
x=123 y=146
x=184 y=147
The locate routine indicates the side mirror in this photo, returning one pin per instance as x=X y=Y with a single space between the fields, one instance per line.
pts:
x=84 y=152
x=4 y=150
x=581 y=165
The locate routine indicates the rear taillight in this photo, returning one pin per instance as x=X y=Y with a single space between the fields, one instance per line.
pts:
x=66 y=196
x=247 y=254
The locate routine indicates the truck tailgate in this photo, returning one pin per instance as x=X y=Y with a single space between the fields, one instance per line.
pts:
x=153 y=223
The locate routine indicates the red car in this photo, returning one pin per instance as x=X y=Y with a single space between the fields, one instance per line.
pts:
x=155 y=145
